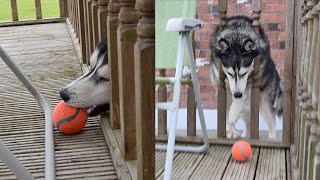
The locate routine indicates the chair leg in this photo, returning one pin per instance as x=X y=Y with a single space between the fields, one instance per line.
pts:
x=184 y=39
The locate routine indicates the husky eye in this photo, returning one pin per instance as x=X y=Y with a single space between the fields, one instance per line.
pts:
x=104 y=78
x=242 y=75
x=230 y=74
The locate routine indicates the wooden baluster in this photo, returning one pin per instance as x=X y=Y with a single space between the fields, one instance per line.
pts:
x=126 y=37
x=255 y=91
x=145 y=90
x=306 y=123
x=313 y=98
x=191 y=111
x=89 y=29
x=102 y=18
x=162 y=97
x=301 y=71
x=82 y=29
x=38 y=9
x=95 y=30
x=114 y=7
x=221 y=131
x=289 y=83
x=63 y=8
x=316 y=167
x=298 y=47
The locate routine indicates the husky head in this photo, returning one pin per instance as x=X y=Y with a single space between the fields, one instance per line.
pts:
x=92 y=89
x=237 y=45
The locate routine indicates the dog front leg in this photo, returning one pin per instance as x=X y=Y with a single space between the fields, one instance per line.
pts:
x=233 y=116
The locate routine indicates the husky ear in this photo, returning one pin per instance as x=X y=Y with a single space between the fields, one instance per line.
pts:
x=222 y=45
x=249 y=46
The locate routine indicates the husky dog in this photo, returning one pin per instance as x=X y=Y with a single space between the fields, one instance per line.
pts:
x=237 y=45
x=91 y=90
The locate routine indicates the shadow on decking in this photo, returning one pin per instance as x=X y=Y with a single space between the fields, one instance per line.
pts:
x=45 y=53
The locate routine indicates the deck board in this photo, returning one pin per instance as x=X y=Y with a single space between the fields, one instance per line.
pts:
x=46 y=54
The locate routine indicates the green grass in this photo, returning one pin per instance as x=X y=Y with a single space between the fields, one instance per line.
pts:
x=26 y=9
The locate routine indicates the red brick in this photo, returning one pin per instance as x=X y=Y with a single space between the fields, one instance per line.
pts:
x=206 y=27
x=279 y=63
x=204 y=54
x=232 y=9
x=205 y=36
x=282 y=26
x=270 y=17
x=282 y=36
x=274 y=54
x=204 y=79
x=206 y=17
x=282 y=55
x=203 y=70
x=273 y=36
x=274 y=45
x=206 y=96
x=203 y=9
x=203 y=45
x=245 y=8
x=206 y=88
x=274 y=8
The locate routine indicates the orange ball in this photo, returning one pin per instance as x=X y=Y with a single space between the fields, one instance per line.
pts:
x=68 y=119
x=241 y=151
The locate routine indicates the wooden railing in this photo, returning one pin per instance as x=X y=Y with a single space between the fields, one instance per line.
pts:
x=129 y=28
x=306 y=147
x=38 y=14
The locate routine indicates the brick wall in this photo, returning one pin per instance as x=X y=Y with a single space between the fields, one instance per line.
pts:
x=273 y=20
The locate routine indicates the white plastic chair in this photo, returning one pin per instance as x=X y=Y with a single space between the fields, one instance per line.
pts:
x=184 y=26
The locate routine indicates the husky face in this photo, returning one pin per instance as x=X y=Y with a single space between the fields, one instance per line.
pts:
x=91 y=89
x=237 y=45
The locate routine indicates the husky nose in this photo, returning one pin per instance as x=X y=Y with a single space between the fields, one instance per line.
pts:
x=238 y=95
x=64 y=95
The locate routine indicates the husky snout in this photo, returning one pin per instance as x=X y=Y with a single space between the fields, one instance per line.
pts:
x=65 y=95
x=238 y=95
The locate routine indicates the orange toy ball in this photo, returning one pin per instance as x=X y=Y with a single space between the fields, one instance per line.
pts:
x=241 y=151
x=68 y=119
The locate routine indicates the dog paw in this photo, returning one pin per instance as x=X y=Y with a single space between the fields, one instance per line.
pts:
x=233 y=134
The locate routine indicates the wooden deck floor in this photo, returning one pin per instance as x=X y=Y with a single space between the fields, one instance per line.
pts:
x=46 y=54
x=217 y=163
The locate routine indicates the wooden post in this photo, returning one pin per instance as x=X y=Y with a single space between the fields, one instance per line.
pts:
x=312 y=101
x=255 y=91
x=82 y=29
x=95 y=30
x=288 y=108
x=112 y=26
x=126 y=37
x=191 y=112
x=102 y=18
x=162 y=97
x=63 y=8
x=222 y=6
x=89 y=29
x=86 y=33
x=301 y=70
x=14 y=10
x=38 y=9
x=306 y=124
x=145 y=86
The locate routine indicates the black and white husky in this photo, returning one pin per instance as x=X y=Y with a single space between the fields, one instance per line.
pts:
x=237 y=45
x=91 y=90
